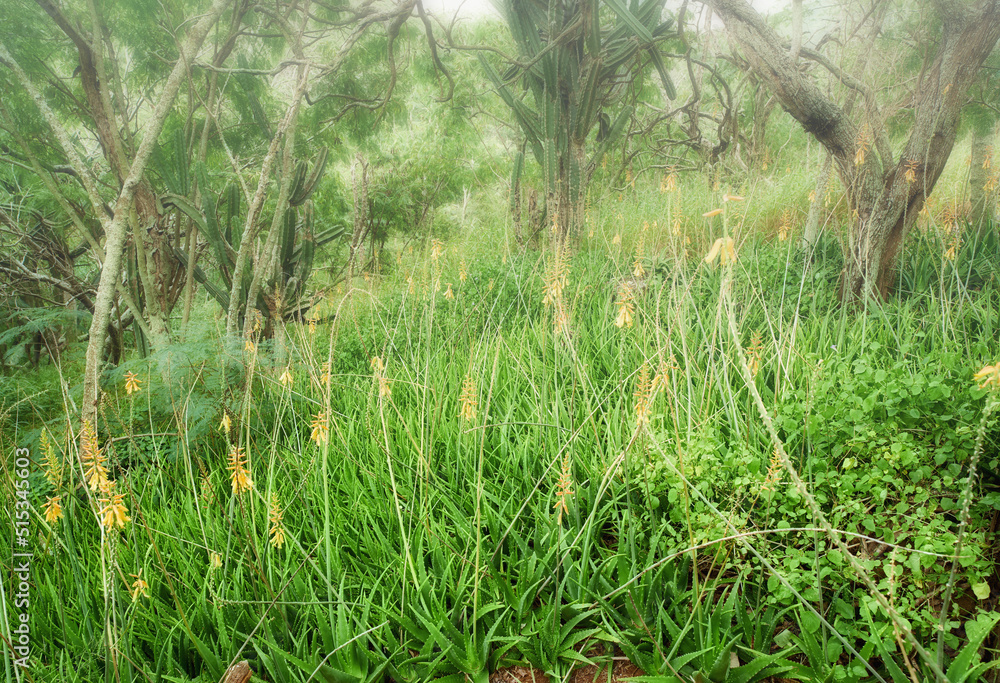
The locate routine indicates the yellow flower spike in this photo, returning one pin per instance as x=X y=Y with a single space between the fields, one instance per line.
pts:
x=249 y=346
x=617 y=239
x=624 y=318
x=713 y=253
x=728 y=254
x=52 y=466
x=53 y=509
x=132 y=383
x=643 y=397
x=320 y=430
x=625 y=308
x=448 y=293
x=226 y=425
x=556 y=278
x=239 y=471
x=723 y=249
x=988 y=377
x=638 y=270
x=113 y=511
x=95 y=471
x=214 y=560
x=463 y=273
x=378 y=368
x=711 y=214
x=277 y=527
x=560 y=321
x=139 y=589
x=468 y=400
x=731 y=198
x=286 y=378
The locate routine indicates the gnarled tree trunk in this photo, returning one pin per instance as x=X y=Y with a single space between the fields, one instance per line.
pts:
x=885 y=193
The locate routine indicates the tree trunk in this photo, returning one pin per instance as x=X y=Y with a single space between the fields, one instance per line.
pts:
x=811 y=233
x=885 y=194
x=980 y=197
x=116 y=229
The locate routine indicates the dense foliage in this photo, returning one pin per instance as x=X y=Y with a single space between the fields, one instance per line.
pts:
x=448 y=440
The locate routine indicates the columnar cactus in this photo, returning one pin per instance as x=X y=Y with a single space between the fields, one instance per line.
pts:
x=576 y=67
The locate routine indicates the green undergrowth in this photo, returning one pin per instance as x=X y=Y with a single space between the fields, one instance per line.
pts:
x=463 y=482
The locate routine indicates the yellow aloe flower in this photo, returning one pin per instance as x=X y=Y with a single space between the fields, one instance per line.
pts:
x=239 y=471
x=286 y=378
x=227 y=424
x=277 y=530
x=723 y=249
x=989 y=376
x=132 y=383
x=378 y=367
x=448 y=293
x=139 y=587
x=53 y=509
x=643 y=397
x=468 y=411
x=712 y=213
x=638 y=270
x=95 y=471
x=617 y=239
x=320 y=430
x=113 y=511
x=625 y=307
x=214 y=560
x=560 y=320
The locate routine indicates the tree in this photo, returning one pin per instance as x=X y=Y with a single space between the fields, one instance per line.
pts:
x=142 y=174
x=576 y=64
x=885 y=191
x=135 y=205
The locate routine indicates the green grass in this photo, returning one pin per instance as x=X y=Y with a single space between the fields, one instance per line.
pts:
x=420 y=544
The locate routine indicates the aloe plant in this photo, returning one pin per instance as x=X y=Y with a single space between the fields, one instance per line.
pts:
x=577 y=65
x=218 y=220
